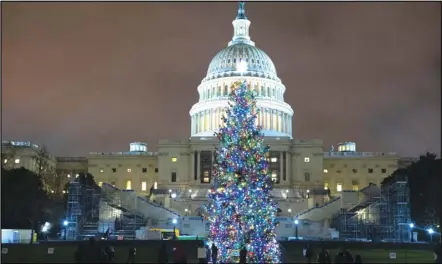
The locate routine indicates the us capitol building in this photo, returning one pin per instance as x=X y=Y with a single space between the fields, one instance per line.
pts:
x=305 y=174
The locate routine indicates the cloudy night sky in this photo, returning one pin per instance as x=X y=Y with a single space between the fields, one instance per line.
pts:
x=82 y=77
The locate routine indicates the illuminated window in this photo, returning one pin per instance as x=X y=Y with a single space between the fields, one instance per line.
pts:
x=129 y=185
x=77 y=175
x=206 y=178
x=129 y=170
x=274 y=176
x=5 y=161
x=325 y=185
x=101 y=170
x=306 y=159
x=274 y=159
x=339 y=187
x=100 y=184
x=325 y=171
x=143 y=186
x=355 y=188
x=155 y=185
x=173 y=177
x=174 y=159
x=17 y=161
x=355 y=185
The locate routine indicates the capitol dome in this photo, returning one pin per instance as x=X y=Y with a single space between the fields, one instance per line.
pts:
x=258 y=62
x=275 y=115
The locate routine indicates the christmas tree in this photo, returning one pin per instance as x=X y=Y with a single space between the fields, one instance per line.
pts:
x=241 y=210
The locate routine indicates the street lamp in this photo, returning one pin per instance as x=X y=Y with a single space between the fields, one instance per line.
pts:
x=296 y=228
x=411 y=225
x=290 y=212
x=430 y=232
x=65 y=224
x=186 y=210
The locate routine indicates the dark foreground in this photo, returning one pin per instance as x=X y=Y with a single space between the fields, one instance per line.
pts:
x=147 y=251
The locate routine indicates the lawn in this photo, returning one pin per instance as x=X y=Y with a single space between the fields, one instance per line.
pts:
x=147 y=252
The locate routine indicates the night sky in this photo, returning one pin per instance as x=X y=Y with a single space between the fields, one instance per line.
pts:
x=82 y=77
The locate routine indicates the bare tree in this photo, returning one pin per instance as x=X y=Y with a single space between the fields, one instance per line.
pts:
x=8 y=155
x=45 y=170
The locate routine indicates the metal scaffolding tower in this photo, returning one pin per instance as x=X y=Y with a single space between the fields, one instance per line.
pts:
x=82 y=209
x=382 y=214
x=73 y=210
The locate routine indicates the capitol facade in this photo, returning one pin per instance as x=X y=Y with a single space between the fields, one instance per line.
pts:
x=305 y=175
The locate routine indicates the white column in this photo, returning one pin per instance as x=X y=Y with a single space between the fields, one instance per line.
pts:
x=195 y=116
x=281 y=167
x=193 y=124
x=203 y=120
x=290 y=127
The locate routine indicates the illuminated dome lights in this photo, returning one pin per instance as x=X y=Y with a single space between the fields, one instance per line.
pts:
x=275 y=115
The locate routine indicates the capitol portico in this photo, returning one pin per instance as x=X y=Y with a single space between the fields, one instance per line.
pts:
x=301 y=169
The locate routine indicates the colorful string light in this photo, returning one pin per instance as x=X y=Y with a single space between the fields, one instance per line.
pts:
x=241 y=210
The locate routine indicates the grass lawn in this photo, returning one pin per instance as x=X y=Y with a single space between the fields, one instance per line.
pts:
x=373 y=256
x=64 y=253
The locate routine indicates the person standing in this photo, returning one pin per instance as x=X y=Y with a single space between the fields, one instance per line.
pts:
x=308 y=253
x=243 y=256
x=358 y=259
x=132 y=254
x=214 y=253
x=324 y=256
x=202 y=254
x=162 y=255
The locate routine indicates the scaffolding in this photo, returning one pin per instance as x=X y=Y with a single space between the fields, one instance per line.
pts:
x=383 y=213
x=82 y=210
x=119 y=212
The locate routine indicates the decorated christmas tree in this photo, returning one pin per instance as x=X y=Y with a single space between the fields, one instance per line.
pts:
x=241 y=210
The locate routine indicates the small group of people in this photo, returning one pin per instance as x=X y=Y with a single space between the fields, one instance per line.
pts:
x=324 y=257
x=93 y=252
x=178 y=254
x=206 y=254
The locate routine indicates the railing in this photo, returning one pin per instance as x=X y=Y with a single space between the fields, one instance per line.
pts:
x=64 y=159
x=159 y=206
x=124 y=153
x=311 y=209
x=358 y=154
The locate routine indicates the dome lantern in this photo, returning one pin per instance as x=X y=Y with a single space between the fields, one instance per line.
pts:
x=241 y=27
